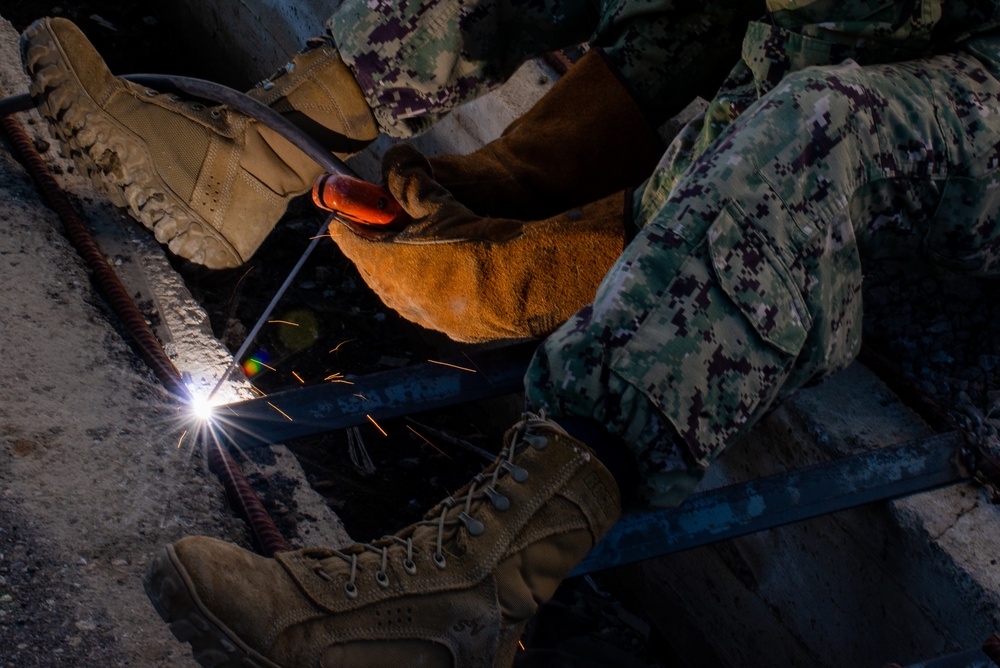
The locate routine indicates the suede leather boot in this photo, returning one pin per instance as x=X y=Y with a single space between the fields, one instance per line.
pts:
x=453 y=590
x=208 y=181
x=585 y=139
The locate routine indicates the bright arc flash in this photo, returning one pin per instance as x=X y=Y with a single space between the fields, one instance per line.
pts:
x=202 y=408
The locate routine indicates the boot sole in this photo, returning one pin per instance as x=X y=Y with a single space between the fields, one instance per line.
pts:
x=212 y=643
x=113 y=157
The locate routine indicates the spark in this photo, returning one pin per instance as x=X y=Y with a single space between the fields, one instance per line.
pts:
x=338 y=378
x=427 y=441
x=181 y=439
x=453 y=366
x=257 y=390
x=283 y=322
x=362 y=397
x=280 y=411
x=298 y=378
x=340 y=344
x=237 y=286
x=473 y=363
x=372 y=420
x=266 y=366
x=521 y=644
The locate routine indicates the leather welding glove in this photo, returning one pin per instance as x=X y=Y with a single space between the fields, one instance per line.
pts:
x=477 y=278
x=585 y=139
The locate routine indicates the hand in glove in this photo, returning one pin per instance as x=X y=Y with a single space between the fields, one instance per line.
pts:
x=476 y=278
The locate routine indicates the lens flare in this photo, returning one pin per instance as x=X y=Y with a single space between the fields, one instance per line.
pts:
x=257 y=363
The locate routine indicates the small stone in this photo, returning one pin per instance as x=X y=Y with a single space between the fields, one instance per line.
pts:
x=86 y=625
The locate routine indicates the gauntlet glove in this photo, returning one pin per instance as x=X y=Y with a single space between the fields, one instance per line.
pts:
x=478 y=278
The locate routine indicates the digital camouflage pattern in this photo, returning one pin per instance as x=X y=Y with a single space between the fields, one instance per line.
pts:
x=418 y=59
x=846 y=129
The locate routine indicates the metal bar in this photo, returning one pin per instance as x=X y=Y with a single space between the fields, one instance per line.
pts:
x=16 y=103
x=252 y=336
x=737 y=510
x=318 y=409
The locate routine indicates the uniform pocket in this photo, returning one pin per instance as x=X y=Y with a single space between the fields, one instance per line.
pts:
x=756 y=279
x=720 y=338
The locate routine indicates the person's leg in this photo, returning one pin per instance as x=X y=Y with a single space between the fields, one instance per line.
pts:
x=417 y=61
x=744 y=283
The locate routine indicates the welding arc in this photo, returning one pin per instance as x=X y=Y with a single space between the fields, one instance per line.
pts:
x=238 y=489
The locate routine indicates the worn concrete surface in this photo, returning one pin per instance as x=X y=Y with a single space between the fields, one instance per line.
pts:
x=92 y=480
x=893 y=582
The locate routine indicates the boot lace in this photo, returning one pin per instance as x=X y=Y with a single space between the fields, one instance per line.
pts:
x=483 y=487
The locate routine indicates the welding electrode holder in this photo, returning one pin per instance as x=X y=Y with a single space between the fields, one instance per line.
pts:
x=359 y=202
x=340 y=191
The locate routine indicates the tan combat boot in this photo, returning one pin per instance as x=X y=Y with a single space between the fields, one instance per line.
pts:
x=454 y=589
x=208 y=181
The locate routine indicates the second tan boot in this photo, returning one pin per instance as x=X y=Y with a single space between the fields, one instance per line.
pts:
x=452 y=591
x=208 y=181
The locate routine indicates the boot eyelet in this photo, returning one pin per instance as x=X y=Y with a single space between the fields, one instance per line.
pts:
x=472 y=525
x=267 y=85
x=499 y=501
x=410 y=566
x=215 y=113
x=516 y=472
x=174 y=98
x=351 y=590
x=290 y=67
x=151 y=93
x=197 y=106
x=382 y=579
x=439 y=560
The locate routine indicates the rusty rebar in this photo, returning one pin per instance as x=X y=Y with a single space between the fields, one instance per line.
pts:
x=104 y=276
x=244 y=500
x=238 y=490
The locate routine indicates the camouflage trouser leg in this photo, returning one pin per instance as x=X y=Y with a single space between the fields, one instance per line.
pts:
x=744 y=281
x=418 y=59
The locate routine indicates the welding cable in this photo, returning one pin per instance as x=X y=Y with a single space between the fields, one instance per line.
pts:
x=238 y=490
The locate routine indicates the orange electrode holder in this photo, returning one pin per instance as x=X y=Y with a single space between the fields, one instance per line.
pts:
x=358 y=201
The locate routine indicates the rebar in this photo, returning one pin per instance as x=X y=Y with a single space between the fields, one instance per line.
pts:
x=238 y=489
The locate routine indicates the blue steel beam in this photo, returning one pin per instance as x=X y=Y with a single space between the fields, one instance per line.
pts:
x=317 y=409
x=766 y=503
